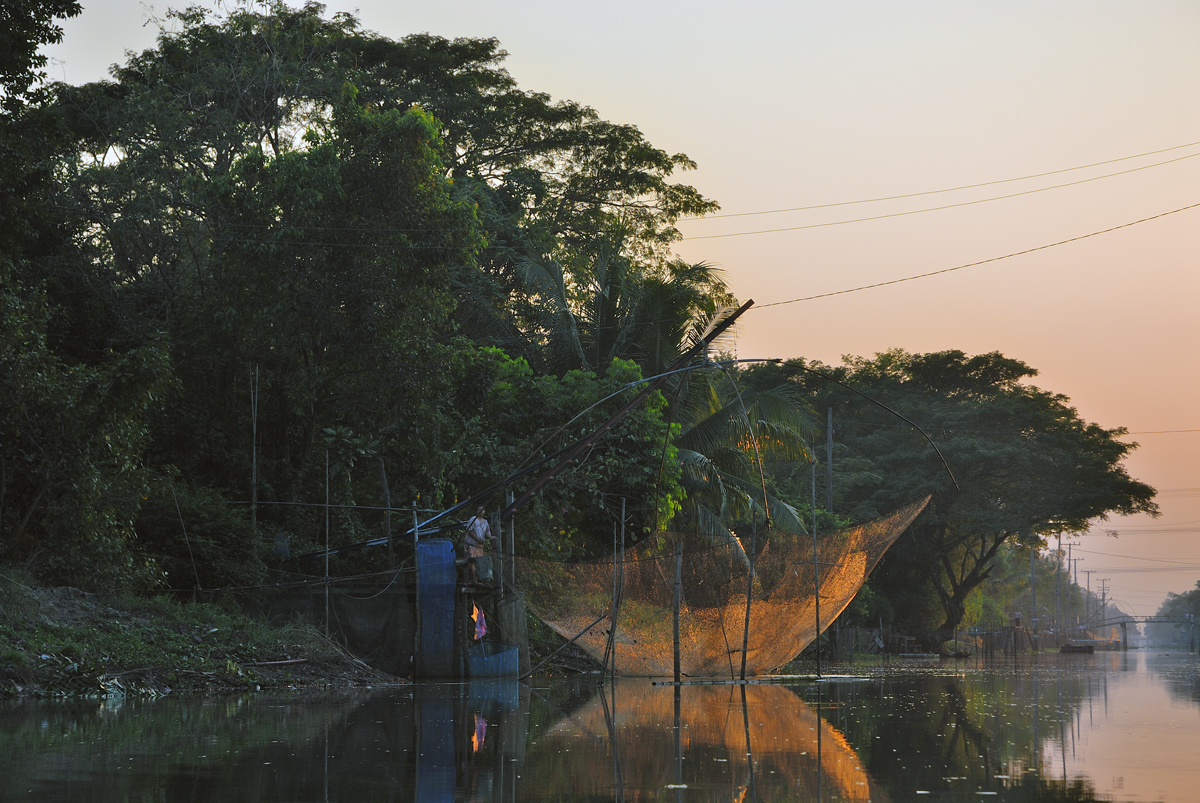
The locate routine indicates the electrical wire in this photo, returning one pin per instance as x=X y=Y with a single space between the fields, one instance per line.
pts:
x=976 y=264
x=1136 y=557
x=947 y=189
x=928 y=209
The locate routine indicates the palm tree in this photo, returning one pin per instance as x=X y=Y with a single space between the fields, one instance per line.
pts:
x=602 y=305
x=595 y=306
x=726 y=435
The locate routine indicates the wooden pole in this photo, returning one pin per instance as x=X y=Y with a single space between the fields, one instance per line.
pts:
x=675 y=604
x=749 y=591
x=512 y=545
x=387 y=516
x=816 y=568
x=254 y=451
x=610 y=653
x=1057 y=583
x=617 y=616
x=829 y=459
x=326 y=543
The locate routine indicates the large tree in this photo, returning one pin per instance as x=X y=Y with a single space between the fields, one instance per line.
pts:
x=304 y=236
x=1019 y=465
x=72 y=408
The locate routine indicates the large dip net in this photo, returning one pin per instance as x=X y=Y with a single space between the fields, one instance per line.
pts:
x=576 y=599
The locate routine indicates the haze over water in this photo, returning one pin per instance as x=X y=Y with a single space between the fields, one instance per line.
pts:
x=1109 y=727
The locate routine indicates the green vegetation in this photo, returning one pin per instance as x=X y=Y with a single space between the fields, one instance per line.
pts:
x=66 y=641
x=1025 y=467
x=278 y=257
x=1185 y=606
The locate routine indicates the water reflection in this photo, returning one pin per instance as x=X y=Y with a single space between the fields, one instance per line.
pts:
x=1110 y=727
x=734 y=743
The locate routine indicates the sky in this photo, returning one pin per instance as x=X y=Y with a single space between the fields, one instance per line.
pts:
x=804 y=104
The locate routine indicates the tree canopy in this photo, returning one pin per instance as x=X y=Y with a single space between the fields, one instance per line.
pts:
x=1019 y=465
x=277 y=253
x=275 y=237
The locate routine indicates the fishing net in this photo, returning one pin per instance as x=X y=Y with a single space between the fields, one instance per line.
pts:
x=576 y=599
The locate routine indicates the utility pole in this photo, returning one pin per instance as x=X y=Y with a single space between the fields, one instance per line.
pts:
x=1073 y=566
x=1057 y=596
x=1033 y=589
x=829 y=460
x=1087 y=600
x=1103 y=597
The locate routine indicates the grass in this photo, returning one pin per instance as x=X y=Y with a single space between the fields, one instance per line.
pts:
x=62 y=641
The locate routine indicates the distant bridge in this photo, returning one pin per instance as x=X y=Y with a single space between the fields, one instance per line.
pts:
x=1113 y=621
x=1124 y=621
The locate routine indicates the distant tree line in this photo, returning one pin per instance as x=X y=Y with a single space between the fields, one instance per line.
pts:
x=277 y=254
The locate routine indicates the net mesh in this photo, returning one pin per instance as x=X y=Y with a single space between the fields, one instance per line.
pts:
x=577 y=598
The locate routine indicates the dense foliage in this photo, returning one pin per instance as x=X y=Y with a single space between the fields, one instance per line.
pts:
x=278 y=258
x=1184 y=612
x=1019 y=465
x=278 y=254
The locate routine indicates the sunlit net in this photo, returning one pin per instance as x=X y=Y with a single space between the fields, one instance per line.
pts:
x=570 y=597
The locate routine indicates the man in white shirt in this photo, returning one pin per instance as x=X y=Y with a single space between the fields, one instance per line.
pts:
x=478 y=534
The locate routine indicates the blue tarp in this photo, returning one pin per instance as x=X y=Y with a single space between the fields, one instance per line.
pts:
x=435 y=588
x=489 y=660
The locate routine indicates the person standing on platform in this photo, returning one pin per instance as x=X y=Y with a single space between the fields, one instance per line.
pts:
x=478 y=534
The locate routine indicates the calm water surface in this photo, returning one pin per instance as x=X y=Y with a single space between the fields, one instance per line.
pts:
x=1111 y=727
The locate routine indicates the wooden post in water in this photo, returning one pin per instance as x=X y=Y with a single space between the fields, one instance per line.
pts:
x=326 y=543
x=749 y=591
x=620 y=589
x=254 y=452
x=678 y=743
x=675 y=604
x=817 y=569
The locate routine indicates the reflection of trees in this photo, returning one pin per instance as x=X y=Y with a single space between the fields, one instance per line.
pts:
x=950 y=734
x=967 y=740
x=1178 y=671
x=228 y=748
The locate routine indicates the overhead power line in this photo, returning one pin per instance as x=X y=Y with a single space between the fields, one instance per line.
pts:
x=933 y=208
x=947 y=189
x=975 y=264
x=1191 y=564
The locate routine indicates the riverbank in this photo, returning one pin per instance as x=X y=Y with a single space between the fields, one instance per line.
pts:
x=63 y=641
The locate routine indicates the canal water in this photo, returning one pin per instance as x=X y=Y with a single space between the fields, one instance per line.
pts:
x=1111 y=727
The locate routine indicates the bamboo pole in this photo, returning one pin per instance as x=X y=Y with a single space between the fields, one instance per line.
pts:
x=749 y=591
x=326 y=543
x=675 y=604
x=387 y=516
x=816 y=567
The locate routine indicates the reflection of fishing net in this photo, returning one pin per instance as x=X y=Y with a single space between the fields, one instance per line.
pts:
x=776 y=731
x=570 y=597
